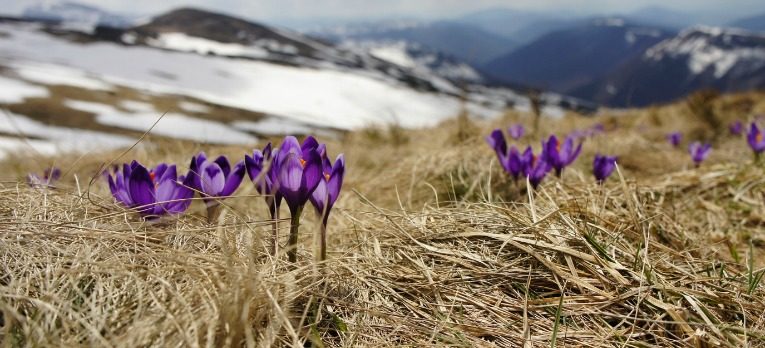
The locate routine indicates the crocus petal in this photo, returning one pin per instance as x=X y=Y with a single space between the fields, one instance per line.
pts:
x=319 y=197
x=141 y=188
x=290 y=178
x=254 y=164
x=335 y=183
x=222 y=162
x=159 y=170
x=213 y=180
x=200 y=158
x=165 y=186
x=290 y=145
x=497 y=142
x=309 y=143
x=181 y=196
x=234 y=179
x=312 y=173
x=195 y=174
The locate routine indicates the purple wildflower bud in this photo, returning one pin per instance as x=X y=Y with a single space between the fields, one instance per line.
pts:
x=516 y=131
x=299 y=171
x=328 y=189
x=497 y=142
x=536 y=168
x=215 y=179
x=675 y=138
x=736 y=128
x=560 y=156
x=603 y=166
x=755 y=139
x=513 y=163
x=48 y=179
x=151 y=193
x=266 y=183
x=699 y=152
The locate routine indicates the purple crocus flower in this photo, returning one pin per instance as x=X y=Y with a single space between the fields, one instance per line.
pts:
x=559 y=156
x=755 y=139
x=497 y=142
x=536 y=168
x=328 y=189
x=263 y=172
x=675 y=138
x=603 y=166
x=265 y=182
x=516 y=131
x=513 y=163
x=299 y=170
x=736 y=128
x=152 y=193
x=327 y=192
x=508 y=159
x=215 y=179
x=699 y=152
x=48 y=179
x=299 y=173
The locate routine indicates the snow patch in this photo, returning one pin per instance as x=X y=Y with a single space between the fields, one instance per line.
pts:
x=193 y=107
x=703 y=49
x=15 y=91
x=172 y=125
x=137 y=106
x=185 y=43
x=55 y=139
x=49 y=74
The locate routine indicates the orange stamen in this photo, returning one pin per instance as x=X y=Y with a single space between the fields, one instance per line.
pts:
x=758 y=137
x=326 y=176
x=302 y=162
x=152 y=176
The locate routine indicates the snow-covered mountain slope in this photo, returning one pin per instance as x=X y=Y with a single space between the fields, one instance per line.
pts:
x=700 y=57
x=416 y=57
x=216 y=88
x=716 y=50
x=466 y=42
x=77 y=16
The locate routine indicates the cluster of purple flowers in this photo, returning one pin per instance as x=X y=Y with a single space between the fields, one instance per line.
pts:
x=697 y=150
x=295 y=173
x=48 y=179
x=554 y=155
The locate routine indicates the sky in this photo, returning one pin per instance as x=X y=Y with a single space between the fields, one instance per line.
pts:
x=275 y=10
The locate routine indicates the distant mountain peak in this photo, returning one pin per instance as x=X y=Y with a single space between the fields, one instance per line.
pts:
x=75 y=15
x=707 y=47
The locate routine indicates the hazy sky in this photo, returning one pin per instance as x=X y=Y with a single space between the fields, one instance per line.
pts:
x=272 y=10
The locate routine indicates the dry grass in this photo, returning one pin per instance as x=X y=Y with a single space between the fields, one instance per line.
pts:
x=429 y=246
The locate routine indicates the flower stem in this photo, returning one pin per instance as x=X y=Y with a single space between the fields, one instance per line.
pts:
x=294 y=227
x=274 y=228
x=323 y=245
x=213 y=212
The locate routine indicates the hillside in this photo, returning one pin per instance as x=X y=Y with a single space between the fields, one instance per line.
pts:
x=569 y=58
x=727 y=60
x=465 y=42
x=430 y=244
x=753 y=23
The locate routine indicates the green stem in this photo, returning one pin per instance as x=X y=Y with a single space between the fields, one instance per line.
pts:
x=294 y=227
x=323 y=244
x=275 y=232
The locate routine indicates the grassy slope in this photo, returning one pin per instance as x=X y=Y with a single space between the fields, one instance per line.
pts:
x=429 y=245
